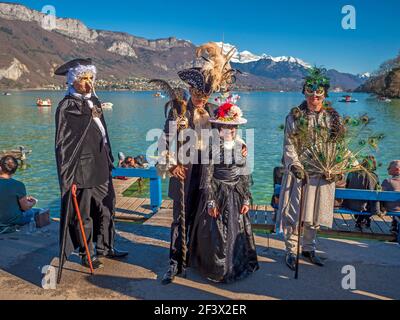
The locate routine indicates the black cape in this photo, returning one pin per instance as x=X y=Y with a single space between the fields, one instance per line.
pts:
x=73 y=119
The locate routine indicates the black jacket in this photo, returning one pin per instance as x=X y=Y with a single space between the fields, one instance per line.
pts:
x=362 y=181
x=81 y=157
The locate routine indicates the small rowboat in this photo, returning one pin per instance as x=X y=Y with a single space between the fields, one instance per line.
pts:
x=348 y=99
x=43 y=103
x=384 y=99
x=107 y=106
x=158 y=95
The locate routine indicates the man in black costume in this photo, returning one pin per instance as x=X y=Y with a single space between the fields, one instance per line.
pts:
x=84 y=159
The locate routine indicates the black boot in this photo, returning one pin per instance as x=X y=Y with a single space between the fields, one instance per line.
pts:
x=313 y=258
x=114 y=254
x=96 y=263
x=291 y=261
x=170 y=275
x=394 y=229
x=368 y=222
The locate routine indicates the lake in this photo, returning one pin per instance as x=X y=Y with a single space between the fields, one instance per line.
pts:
x=134 y=113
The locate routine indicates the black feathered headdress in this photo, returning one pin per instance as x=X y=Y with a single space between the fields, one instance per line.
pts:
x=215 y=75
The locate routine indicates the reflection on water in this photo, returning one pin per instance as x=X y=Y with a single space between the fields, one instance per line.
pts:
x=22 y=123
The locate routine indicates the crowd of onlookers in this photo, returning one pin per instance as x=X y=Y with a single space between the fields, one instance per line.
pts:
x=363 y=180
x=369 y=180
x=131 y=162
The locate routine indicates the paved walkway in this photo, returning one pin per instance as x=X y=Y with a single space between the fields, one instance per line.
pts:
x=377 y=265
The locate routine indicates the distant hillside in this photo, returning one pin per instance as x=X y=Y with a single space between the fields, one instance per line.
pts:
x=29 y=54
x=386 y=81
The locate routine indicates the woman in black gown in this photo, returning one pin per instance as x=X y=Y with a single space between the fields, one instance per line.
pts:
x=222 y=244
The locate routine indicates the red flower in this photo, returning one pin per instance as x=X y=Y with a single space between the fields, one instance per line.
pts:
x=224 y=109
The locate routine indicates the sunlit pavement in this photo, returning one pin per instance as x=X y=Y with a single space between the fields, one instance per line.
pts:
x=376 y=266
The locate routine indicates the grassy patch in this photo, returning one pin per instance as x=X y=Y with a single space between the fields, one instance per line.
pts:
x=139 y=189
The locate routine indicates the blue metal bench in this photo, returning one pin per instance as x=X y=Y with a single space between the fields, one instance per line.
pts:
x=155 y=183
x=366 y=195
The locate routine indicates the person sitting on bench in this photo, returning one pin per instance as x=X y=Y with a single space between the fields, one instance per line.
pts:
x=129 y=162
x=363 y=180
x=16 y=208
x=392 y=184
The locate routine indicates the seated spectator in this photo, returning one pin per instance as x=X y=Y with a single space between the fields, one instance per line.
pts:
x=15 y=205
x=364 y=181
x=129 y=162
x=141 y=162
x=138 y=162
x=392 y=184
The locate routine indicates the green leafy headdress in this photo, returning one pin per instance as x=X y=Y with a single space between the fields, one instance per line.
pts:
x=316 y=79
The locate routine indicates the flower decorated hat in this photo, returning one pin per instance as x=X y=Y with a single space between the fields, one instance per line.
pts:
x=228 y=112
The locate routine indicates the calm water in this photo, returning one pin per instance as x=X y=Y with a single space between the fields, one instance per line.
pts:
x=22 y=123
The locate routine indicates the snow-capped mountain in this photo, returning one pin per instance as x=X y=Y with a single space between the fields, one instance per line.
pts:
x=365 y=75
x=247 y=56
x=286 y=72
x=29 y=53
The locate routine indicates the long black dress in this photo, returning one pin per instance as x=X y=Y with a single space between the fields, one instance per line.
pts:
x=223 y=248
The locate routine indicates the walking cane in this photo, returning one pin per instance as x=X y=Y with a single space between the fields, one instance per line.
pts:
x=182 y=125
x=78 y=213
x=303 y=184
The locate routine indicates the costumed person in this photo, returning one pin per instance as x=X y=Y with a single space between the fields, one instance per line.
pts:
x=84 y=160
x=222 y=246
x=215 y=75
x=319 y=190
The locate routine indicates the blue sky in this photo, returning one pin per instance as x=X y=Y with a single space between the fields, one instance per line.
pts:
x=310 y=30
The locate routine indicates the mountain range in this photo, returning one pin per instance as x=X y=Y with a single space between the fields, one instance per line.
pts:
x=30 y=52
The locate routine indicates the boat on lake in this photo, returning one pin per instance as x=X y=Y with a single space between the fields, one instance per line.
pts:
x=384 y=99
x=348 y=99
x=107 y=106
x=43 y=103
x=158 y=95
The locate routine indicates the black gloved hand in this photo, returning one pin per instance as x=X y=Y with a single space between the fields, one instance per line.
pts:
x=298 y=172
